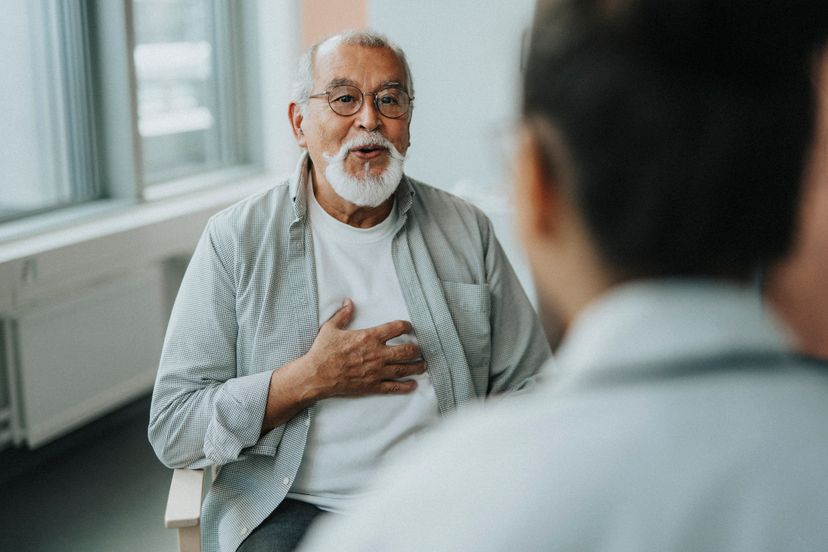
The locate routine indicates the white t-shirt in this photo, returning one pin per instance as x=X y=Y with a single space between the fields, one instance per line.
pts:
x=350 y=437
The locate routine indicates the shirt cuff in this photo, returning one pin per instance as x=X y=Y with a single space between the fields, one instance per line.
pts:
x=238 y=411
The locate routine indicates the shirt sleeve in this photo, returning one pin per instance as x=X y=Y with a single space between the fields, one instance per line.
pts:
x=201 y=412
x=519 y=347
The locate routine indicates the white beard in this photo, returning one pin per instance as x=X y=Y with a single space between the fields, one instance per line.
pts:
x=366 y=190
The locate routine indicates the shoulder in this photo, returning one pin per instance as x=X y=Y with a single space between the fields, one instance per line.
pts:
x=253 y=210
x=480 y=465
x=502 y=445
x=247 y=223
x=439 y=202
x=548 y=457
x=250 y=227
x=451 y=216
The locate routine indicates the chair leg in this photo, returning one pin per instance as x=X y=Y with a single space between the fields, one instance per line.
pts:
x=189 y=539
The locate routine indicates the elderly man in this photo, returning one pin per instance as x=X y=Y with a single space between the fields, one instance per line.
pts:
x=325 y=323
x=661 y=159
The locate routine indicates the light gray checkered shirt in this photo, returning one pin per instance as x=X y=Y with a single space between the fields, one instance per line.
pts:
x=247 y=305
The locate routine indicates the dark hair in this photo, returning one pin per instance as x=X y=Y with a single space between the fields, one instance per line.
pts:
x=684 y=125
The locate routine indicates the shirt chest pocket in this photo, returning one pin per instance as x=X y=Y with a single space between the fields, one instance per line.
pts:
x=470 y=307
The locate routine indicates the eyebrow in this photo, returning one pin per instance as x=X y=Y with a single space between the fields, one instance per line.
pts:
x=341 y=82
x=349 y=82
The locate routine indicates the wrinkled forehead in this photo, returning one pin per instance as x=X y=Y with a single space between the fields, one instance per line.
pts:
x=366 y=67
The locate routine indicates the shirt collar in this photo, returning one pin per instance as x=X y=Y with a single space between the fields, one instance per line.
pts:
x=298 y=185
x=645 y=324
x=298 y=189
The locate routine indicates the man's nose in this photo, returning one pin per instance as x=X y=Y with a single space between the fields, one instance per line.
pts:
x=368 y=116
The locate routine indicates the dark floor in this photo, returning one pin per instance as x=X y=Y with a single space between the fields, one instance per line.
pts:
x=100 y=489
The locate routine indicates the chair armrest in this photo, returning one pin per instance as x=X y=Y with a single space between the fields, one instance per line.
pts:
x=184 y=502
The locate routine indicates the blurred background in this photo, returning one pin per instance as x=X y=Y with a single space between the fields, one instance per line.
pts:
x=124 y=124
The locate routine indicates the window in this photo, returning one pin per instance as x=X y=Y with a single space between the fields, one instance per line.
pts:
x=182 y=92
x=105 y=99
x=47 y=139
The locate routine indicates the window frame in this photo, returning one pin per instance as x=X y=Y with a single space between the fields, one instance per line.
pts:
x=237 y=110
x=64 y=123
x=85 y=81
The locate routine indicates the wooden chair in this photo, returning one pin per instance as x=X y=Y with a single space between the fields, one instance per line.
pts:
x=184 y=508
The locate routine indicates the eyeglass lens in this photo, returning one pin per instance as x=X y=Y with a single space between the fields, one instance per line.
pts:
x=347 y=100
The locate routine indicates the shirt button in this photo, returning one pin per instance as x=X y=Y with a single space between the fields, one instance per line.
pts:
x=243 y=531
x=286 y=481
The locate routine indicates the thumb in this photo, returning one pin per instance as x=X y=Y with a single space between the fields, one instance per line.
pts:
x=342 y=317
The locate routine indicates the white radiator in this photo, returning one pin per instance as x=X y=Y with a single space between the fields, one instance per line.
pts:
x=75 y=357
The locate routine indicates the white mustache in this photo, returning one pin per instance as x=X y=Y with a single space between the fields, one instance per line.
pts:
x=370 y=139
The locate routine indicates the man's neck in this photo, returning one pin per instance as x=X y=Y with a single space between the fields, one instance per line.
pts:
x=345 y=211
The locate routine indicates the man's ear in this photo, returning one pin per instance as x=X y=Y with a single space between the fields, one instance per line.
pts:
x=537 y=189
x=296 y=117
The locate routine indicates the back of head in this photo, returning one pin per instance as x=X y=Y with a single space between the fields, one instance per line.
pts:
x=683 y=125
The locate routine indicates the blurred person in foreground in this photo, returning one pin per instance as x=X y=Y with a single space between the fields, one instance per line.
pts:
x=661 y=155
x=798 y=287
x=325 y=323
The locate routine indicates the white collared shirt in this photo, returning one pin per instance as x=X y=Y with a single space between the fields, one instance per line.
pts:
x=628 y=449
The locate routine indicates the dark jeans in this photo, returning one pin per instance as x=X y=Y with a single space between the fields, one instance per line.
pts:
x=283 y=528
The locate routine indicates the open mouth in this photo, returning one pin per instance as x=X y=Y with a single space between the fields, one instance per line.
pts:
x=369 y=152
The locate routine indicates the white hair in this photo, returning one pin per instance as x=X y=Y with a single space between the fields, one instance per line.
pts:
x=365 y=190
x=303 y=85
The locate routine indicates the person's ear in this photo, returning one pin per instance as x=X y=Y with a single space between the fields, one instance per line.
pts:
x=296 y=118
x=537 y=189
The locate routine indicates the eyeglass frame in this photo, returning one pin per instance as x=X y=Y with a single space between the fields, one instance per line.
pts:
x=327 y=95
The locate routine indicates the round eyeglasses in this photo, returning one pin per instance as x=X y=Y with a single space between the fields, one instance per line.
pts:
x=346 y=100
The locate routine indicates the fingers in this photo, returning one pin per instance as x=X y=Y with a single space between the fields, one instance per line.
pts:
x=393 y=371
x=396 y=387
x=382 y=380
x=390 y=330
x=387 y=380
x=404 y=353
x=342 y=317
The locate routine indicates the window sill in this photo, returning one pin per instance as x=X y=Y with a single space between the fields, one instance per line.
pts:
x=82 y=245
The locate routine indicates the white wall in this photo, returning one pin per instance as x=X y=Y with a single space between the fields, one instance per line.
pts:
x=465 y=57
